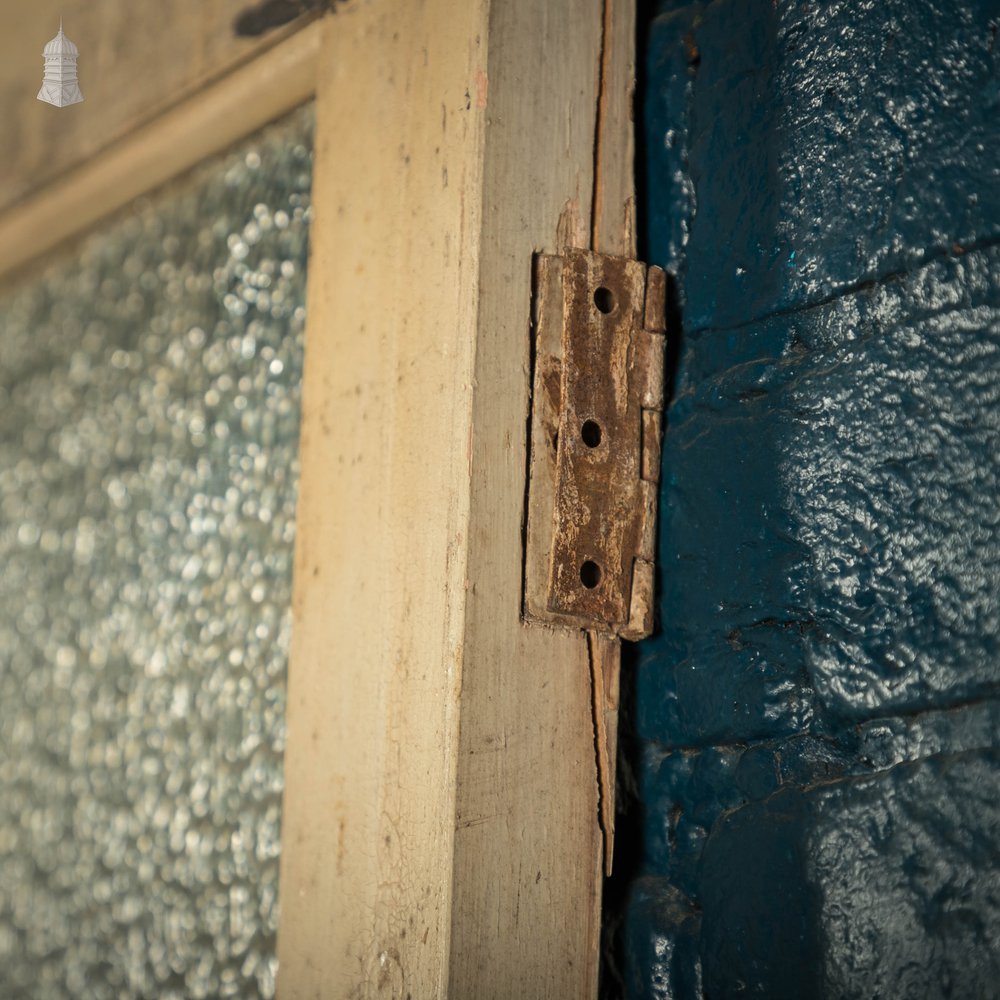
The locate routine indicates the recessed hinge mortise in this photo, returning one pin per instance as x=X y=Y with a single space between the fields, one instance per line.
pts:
x=596 y=416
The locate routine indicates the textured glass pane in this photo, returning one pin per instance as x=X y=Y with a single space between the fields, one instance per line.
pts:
x=149 y=412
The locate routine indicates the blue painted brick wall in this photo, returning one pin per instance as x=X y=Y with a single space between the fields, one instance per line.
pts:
x=810 y=774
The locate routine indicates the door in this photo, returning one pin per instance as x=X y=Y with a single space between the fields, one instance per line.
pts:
x=439 y=827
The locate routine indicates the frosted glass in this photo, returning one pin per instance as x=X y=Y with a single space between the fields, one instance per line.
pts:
x=149 y=415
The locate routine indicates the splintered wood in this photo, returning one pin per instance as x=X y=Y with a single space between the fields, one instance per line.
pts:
x=605 y=674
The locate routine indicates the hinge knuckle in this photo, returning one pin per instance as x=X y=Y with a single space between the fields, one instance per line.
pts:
x=654 y=349
x=640 y=623
x=655 y=314
x=596 y=431
x=651 y=444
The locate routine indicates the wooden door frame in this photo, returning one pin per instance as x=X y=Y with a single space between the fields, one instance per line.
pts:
x=440 y=828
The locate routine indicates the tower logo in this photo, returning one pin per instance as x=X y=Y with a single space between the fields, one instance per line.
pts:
x=60 y=86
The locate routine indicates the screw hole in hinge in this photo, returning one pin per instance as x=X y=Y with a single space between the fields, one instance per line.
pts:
x=591 y=433
x=604 y=299
x=590 y=574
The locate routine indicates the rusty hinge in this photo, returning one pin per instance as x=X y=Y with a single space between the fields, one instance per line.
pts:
x=595 y=443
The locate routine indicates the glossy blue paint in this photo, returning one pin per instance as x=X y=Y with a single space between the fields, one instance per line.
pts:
x=798 y=149
x=810 y=775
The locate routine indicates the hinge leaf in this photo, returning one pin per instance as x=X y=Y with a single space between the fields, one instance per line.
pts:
x=595 y=442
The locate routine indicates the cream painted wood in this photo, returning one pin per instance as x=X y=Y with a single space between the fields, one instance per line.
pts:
x=138 y=58
x=440 y=833
x=221 y=113
x=614 y=212
x=526 y=910
x=383 y=518
x=441 y=811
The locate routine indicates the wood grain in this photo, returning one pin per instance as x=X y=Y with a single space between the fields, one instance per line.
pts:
x=526 y=910
x=614 y=186
x=612 y=231
x=383 y=519
x=441 y=829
